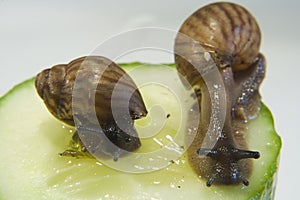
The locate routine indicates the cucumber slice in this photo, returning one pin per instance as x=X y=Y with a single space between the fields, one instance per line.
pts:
x=31 y=140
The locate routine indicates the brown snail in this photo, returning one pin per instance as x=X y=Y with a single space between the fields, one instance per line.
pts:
x=227 y=35
x=76 y=92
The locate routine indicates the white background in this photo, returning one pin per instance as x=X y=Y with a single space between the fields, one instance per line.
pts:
x=37 y=34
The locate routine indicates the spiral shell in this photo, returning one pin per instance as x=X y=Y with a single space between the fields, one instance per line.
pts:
x=95 y=78
x=226 y=30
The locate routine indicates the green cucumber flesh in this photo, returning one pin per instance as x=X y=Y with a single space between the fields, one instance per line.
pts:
x=31 y=140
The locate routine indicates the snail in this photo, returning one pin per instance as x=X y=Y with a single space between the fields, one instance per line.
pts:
x=68 y=91
x=227 y=35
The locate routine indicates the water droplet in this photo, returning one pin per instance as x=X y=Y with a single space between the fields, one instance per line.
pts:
x=155 y=168
x=77 y=183
x=138 y=167
x=156 y=182
x=207 y=56
x=158 y=142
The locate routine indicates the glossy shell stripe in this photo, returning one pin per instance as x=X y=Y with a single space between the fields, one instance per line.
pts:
x=228 y=31
x=55 y=86
x=56 y=92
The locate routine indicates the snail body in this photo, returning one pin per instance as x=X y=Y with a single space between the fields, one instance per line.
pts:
x=81 y=93
x=227 y=35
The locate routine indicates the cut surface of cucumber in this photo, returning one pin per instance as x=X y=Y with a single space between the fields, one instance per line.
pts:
x=31 y=140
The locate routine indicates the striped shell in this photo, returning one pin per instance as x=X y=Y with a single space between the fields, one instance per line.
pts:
x=85 y=88
x=228 y=31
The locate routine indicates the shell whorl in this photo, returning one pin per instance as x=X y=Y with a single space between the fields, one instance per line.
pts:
x=56 y=93
x=227 y=31
x=55 y=86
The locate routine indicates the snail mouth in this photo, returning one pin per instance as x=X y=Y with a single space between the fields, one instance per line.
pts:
x=126 y=142
x=226 y=169
x=227 y=175
x=130 y=144
x=125 y=138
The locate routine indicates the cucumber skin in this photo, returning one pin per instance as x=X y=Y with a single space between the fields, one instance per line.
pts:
x=270 y=187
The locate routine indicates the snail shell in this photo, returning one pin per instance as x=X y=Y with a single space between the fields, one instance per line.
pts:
x=229 y=35
x=226 y=30
x=96 y=79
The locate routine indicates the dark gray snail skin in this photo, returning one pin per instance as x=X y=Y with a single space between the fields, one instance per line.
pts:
x=99 y=76
x=231 y=37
